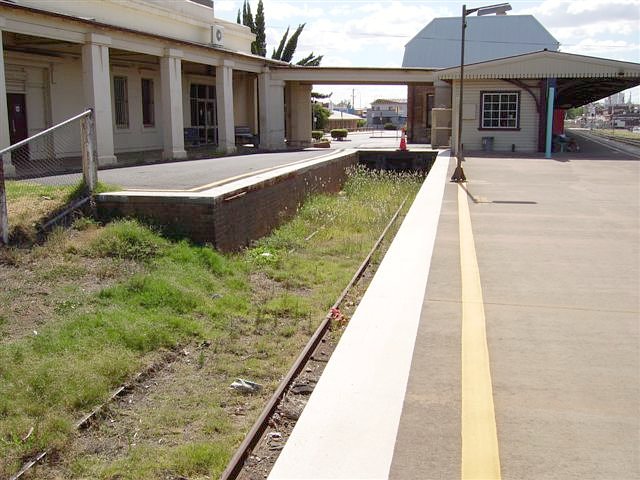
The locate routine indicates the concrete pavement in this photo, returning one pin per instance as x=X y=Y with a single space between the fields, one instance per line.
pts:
x=558 y=251
x=199 y=174
x=557 y=246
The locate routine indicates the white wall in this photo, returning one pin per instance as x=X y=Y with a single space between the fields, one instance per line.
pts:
x=40 y=83
x=67 y=99
x=525 y=139
x=137 y=137
x=178 y=19
x=244 y=100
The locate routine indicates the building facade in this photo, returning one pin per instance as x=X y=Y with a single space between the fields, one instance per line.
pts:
x=385 y=111
x=512 y=67
x=161 y=77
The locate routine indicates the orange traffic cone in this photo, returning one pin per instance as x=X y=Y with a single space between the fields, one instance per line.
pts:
x=403 y=142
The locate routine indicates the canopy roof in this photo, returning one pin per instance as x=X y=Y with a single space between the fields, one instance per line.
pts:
x=580 y=79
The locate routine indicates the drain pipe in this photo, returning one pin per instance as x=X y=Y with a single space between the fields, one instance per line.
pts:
x=550 y=100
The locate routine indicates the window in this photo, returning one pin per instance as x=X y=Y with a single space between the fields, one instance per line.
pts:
x=121 y=98
x=500 y=110
x=148 y=110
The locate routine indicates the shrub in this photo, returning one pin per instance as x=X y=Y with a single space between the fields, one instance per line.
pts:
x=127 y=239
x=339 y=133
x=390 y=126
x=317 y=134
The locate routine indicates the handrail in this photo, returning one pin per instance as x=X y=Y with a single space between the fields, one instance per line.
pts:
x=44 y=132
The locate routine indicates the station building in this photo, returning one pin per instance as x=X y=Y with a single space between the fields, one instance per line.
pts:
x=511 y=61
x=162 y=77
x=165 y=79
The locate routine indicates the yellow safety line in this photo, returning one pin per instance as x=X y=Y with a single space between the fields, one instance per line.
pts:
x=480 y=456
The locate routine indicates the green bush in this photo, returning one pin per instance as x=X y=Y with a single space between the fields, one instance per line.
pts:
x=339 y=133
x=127 y=239
x=317 y=134
x=390 y=126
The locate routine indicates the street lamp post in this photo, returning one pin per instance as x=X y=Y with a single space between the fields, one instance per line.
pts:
x=499 y=9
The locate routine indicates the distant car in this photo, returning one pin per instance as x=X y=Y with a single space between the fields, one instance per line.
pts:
x=635 y=129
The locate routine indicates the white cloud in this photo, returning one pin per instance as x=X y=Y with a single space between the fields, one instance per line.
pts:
x=374 y=33
x=224 y=6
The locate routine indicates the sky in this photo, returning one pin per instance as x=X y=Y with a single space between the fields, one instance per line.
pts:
x=370 y=33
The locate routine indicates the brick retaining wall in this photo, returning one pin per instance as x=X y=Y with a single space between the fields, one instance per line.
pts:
x=231 y=221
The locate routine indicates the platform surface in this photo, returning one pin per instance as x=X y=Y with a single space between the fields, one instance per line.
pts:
x=557 y=251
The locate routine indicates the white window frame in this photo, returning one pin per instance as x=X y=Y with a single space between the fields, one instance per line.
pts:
x=500 y=110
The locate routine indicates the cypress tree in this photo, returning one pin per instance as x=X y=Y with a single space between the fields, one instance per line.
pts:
x=292 y=44
x=261 y=37
x=277 y=54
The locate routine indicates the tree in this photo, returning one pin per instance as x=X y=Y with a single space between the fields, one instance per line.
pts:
x=320 y=115
x=575 y=112
x=318 y=95
x=247 y=21
x=287 y=46
x=310 y=61
x=292 y=44
x=261 y=37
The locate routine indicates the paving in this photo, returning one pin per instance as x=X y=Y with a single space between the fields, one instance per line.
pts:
x=556 y=244
x=200 y=174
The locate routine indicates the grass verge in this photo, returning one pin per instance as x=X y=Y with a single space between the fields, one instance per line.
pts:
x=28 y=203
x=253 y=311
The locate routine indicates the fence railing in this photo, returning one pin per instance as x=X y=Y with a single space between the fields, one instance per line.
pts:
x=43 y=172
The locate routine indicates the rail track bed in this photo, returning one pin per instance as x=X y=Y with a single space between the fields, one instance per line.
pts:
x=117 y=425
x=258 y=453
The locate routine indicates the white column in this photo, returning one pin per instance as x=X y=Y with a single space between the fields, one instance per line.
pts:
x=9 y=169
x=271 y=105
x=299 y=115
x=97 y=93
x=224 y=101
x=172 y=120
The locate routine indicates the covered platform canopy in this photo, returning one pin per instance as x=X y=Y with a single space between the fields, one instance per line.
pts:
x=579 y=79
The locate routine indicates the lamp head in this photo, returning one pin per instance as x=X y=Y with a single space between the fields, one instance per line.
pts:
x=499 y=9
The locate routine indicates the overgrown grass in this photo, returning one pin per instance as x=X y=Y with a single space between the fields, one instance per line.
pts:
x=29 y=202
x=255 y=309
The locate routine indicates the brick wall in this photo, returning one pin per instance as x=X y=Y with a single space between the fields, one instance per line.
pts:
x=232 y=221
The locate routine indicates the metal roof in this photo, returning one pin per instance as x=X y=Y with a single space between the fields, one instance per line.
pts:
x=488 y=37
x=338 y=115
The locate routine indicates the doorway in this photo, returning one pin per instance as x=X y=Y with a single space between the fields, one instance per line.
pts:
x=18 y=129
x=204 y=115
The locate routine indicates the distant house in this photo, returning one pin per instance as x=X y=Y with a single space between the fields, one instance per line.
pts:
x=340 y=119
x=385 y=111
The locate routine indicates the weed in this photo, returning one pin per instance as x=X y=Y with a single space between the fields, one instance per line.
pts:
x=201 y=359
x=84 y=223
x=183 y=293
x=263 y=255
x=127 y=239
x=66 y=306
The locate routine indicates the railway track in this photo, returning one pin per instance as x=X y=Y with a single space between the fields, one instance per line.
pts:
x=617 y=138
x=86 y=420
x=320 y=338
x=274 y=410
